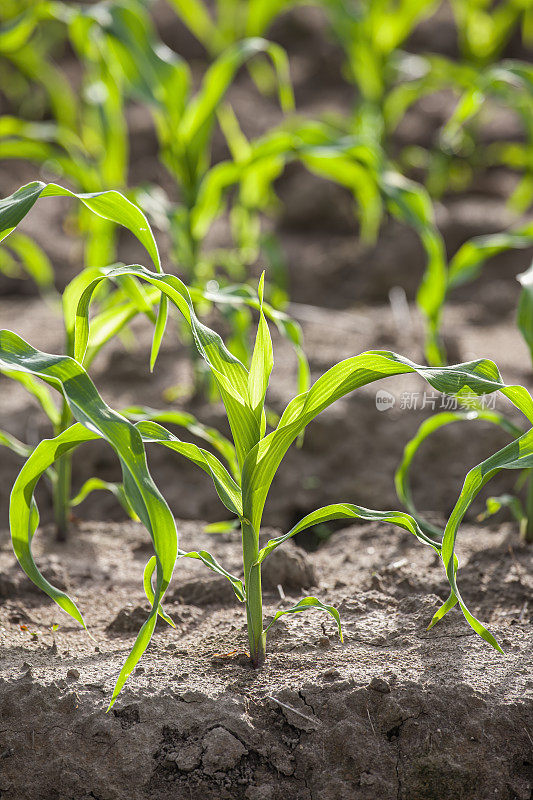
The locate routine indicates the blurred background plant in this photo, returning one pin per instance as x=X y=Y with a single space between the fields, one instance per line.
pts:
x=73 y=76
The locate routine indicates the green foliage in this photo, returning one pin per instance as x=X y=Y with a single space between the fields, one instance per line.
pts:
x=484 y=29
x=466 y=265
x=87 y=140
x=115 y=312
x=254 y=462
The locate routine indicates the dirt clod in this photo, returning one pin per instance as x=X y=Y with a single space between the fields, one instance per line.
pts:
x=222 y=751
x=204 y=592
x=379 y=685
x=128 y=620
x=288 y=566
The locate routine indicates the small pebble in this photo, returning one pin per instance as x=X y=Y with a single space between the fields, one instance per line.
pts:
x=330 y=674
x=73 y=675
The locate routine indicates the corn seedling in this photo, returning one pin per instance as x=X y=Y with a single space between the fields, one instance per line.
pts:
x=118 y=309
x=484 y=29
x=88 y=143
x=115 y=312
x=508 y=84
x=523 y=513
x=185 y=123
x=230 y=21
x=30 y=80
x=243 y=486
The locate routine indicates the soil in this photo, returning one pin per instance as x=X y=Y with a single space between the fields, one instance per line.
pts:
x=395 y=712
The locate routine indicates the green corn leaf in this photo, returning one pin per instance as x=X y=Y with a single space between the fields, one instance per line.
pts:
x=110 y=205
x=23 y=513
x=185 y=420
x=466 y=264
x=211 y=562
x=33 y=259
x=349 y=511
x=516 y=455
x=14 y=444
x=96 y=485
x=262 y=362
x=525 y=308
x=16 y=33
x=88 y=408
x=149 y=590
x=426 y=429
x=227 y=489
x=304 y=605
x=159 y=330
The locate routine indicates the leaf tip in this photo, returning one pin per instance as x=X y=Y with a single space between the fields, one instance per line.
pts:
x=261 y=287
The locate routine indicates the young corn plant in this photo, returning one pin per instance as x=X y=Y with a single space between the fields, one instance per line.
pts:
x=185 y=123
x=484 y=29
x=229 y=21
x=472 y=411
x=508 y=84
x=116 y=310
x=30 y=80
x=242 y=487
x=87 y=140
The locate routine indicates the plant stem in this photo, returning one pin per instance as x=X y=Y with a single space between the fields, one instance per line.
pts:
x=62 y=496
x=254 y=599
x=62 y=486
x=528 y=535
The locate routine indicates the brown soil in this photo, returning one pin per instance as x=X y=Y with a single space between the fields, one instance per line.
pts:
x=396 y=712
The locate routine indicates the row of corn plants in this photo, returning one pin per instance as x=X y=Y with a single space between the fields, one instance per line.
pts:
x=86 y=142
x=121 y=56
x=244 y=467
